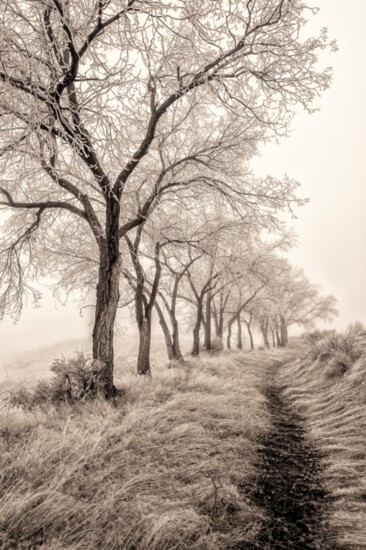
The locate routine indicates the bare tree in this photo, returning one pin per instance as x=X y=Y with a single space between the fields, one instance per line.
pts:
x=87 y=90
x=290 y=299
x=248 y=323
x=299 y=302
x=177 y=268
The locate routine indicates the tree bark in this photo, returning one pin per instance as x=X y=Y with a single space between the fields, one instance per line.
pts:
x=107 y=297
x=143 y=359
x=175 y=326
x=219 y=316
x=208 y=341
x=239 y=334
x=165 y=329
x=215 y=318
x=273 y=338
x=278 y=337
x=284 y=333
x=229 y=325
x=171 y=310
x=264 y=331
x=143 y=305
x=220 y=332
x=250 y=334
x=196 y=331
x=177 y=354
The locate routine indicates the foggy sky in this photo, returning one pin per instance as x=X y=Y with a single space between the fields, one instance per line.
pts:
x=326 y=154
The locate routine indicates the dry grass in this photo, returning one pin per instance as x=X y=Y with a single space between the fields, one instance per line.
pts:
x=159 y=470
x=333 y=401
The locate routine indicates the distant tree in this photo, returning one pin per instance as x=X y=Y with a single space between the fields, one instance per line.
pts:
x=296 y=301
x=202 y=277
x=176 y=268
x=247 y=320
x=89 y=90
x=251 y=272
x=154 y=240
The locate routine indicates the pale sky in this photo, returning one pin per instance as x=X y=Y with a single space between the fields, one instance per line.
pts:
x=326 y=154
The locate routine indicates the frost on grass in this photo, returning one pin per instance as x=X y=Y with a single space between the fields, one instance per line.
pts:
x=160 y=469
x=328 y=388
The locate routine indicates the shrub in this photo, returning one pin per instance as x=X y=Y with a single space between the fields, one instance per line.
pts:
x=338 y=365
x=349 y=347
x=74 y=379
x=317 y=335
x=356 y=328
x=217 y=344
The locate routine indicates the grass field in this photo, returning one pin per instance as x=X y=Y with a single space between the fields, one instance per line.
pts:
x=167 y=467
x=171 y=464
x=333 y=404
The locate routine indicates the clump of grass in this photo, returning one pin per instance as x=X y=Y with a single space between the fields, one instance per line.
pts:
x=164 y=468
x=347 y=347
x=315 y=335
x=330 y=394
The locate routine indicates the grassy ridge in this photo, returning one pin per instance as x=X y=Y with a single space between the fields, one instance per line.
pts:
x=331 y=395
x=160 y=470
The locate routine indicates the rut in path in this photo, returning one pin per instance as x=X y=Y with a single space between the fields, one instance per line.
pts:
x=288 y=484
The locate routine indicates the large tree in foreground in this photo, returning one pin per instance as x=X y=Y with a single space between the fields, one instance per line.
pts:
x=90 y=90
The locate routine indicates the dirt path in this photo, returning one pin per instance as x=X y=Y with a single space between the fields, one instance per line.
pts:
x=288 y=484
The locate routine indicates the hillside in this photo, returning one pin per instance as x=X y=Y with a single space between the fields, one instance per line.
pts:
x=34 y=364
x=248 y=450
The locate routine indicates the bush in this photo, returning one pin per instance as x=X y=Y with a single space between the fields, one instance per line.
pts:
x=356 y=328
x=346 y=347
x=75 y=379
x=317 y=335
x=217 y=344
x=338 y=365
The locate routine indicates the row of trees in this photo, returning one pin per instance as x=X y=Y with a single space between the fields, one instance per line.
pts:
x=116 y=111
x=215 y=277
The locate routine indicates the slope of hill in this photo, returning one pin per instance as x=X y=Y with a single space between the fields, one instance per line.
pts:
x=34 y=364
x=328 y=388
x=167 y=467
x=238 y=451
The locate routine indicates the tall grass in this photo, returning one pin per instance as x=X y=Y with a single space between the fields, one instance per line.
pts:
x=328 y=387
x=166 y=467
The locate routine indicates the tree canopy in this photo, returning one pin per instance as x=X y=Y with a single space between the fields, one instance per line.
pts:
x=110 y=108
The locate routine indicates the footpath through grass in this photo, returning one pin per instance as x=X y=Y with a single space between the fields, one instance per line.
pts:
x=161 y=469
x=328 y=389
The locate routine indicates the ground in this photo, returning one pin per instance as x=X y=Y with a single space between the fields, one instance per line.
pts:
x=240 y=450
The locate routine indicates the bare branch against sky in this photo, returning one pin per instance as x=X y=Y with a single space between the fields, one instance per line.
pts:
x=324 y=152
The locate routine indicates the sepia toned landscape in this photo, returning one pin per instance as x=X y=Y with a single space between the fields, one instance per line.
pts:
x=183 y=360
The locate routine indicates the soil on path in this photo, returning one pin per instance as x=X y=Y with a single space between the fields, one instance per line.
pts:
x=288 y=484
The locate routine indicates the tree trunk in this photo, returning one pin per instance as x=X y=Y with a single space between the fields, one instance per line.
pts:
x=208 y=342
x=229 y=325
x=239 y=335
x=250 y=334
x=177 y=354
x=143 y=305
x=143 y=359
x=175 y=326
x=273 y=338
x=215 y=317
x=221 y=323
x=278 y=338
x=264 y=331
x=219 y=317
x=165 y=329
x=107 y=297
x=284 y=334
x=197 y=328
